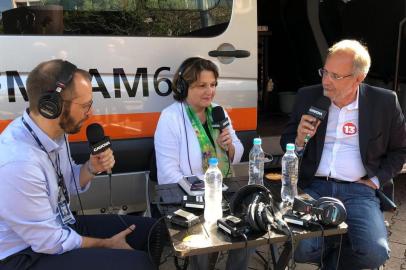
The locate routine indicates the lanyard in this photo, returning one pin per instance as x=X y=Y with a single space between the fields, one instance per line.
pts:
x=60 y=181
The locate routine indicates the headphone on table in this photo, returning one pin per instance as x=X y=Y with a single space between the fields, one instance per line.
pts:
x=256 y=205
x=50 y=103
x=325 y=210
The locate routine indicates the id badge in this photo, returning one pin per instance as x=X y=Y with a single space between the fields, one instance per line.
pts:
x=64 y=211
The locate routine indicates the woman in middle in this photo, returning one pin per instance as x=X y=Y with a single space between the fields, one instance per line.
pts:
x=185 y=138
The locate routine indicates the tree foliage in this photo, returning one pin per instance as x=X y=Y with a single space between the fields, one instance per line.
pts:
x=136 y=17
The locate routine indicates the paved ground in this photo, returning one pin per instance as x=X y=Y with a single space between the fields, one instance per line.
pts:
x=397 y=227
x=397 y=238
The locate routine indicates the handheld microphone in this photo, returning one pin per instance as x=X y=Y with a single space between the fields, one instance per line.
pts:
x=97 y=141
x=319 y=111
x=220 y=120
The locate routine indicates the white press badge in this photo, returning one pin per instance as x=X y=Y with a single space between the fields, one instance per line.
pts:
x=64 y=210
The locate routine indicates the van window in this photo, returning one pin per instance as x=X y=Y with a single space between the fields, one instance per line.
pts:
x=151 y=18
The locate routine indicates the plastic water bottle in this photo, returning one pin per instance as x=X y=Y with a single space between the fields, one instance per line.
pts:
x=213 y=182
x=256 y=164
x=290 y=165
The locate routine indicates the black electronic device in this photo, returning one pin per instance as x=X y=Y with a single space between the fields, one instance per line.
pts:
x=50 y=103
x=385 y=203
x=232 y=225
x=194 y=202
x=298 y=219
x=255 y=205
x=183 y=218
x=325 y=210
x=194 y=186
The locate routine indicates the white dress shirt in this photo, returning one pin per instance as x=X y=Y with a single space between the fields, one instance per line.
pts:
x=174 y=149
x=341 y=157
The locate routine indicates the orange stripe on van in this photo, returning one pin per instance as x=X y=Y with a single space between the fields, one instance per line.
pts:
x=141 y=125
x=3 y=124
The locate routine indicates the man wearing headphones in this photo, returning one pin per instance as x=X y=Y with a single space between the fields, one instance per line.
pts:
x=358 y=149
x=37 y=228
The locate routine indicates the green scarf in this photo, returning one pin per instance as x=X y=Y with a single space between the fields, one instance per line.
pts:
x=206 y=146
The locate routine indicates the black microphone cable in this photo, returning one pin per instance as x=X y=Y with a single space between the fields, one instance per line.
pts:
x=187 y=141
x=322 y=243
x=246 y=244
x=292 y=264
x=281 y=225
x=229 y=165
x=157 y=246
x=339 y=252
x=85 y=227
x=269 y=250
x=111 y=208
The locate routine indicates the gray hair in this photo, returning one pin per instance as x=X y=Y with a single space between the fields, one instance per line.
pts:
x=361 y=57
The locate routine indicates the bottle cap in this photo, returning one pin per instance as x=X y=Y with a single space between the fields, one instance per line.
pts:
x=213 y=161
x=290 y=147
x=257 y=141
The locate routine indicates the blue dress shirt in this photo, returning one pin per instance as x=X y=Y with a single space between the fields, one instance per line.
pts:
x=29 y=192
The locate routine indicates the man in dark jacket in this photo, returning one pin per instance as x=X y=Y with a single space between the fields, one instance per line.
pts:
x=358 y=148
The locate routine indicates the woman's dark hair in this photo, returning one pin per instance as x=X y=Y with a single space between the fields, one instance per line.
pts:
x=188 y=72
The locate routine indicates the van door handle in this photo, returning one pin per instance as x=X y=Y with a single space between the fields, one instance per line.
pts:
x=235 y=53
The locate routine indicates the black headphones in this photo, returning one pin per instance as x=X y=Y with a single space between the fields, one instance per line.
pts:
x=255 y=204
x=325 y=210
x=182 y=85
x=50 y=103
x=332 y=211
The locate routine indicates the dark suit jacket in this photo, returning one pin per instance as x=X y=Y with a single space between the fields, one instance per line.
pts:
x=382 y=134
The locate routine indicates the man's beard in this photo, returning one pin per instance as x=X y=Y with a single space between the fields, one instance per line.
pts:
x=67 y=123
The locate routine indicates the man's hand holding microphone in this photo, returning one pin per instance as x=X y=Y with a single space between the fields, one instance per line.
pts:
x=101 y=156
x=102 y=162
x=310 y=122
x=306 y=129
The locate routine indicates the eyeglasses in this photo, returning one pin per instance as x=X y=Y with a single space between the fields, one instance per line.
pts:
x=323 y=72
x=85 y=106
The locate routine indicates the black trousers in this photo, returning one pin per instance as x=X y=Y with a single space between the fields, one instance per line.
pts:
x=100 y=226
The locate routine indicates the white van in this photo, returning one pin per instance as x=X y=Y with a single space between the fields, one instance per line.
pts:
x=132 y=49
